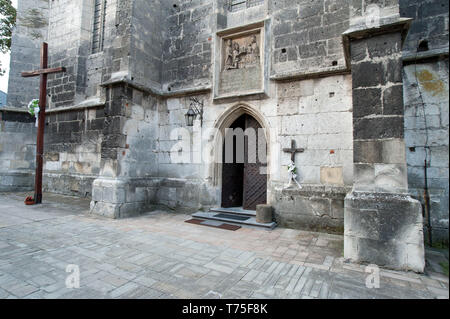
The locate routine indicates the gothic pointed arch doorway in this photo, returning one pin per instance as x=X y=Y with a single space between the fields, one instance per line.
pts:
x=244 y=169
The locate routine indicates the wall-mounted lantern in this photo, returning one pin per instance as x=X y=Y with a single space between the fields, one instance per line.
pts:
x=195 y=109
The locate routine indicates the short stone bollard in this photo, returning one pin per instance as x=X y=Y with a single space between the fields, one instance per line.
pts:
x=263 y=214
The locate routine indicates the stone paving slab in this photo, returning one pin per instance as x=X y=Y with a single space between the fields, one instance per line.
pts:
x=158 y=255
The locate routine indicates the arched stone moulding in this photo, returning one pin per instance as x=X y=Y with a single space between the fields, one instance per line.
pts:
x=224 y=121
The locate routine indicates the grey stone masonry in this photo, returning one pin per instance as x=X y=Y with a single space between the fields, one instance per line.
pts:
x=426 y=136
x=17 y=151
x=109 y=195
x=382 y=223
x=425 y=76
x=70 y=43
x=17 y=129
x=379 y=152
x=307 y=36
x=429 y=30
x=311 y=209
x=187 y=46
x=30 y=32
x=146 y=43
x=84 y=118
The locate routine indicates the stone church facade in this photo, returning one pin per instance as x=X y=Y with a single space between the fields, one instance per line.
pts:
x=360 y=86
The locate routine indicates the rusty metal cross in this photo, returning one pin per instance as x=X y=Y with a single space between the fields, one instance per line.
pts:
x=293 y=150
x=42 y=72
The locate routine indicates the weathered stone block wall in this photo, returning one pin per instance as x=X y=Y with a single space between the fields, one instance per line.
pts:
x=17 y=151
x=70 y=43
x=124 y=185
x=17 y=129
x=82 y=140
x=373 y=13
x=172 y=127
x=30 y=32
x=142 y=174
x=385 y=230
x=67 y=48
x=73 y=144
x=313 y=208
x=232 y=17
x=426 y=135
x=321 y=121
x=184 y=181
x=146 y=43
x=116 y=51
x=307 y=36
x=430 y=24
x=426 y=107
x=187 y=35
x=378 y=121
x=140 y=128
x=383 y=224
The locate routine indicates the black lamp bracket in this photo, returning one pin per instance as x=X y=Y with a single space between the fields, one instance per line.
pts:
x=197 y=107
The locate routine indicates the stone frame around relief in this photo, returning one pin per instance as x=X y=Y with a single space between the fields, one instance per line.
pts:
x=246 y=72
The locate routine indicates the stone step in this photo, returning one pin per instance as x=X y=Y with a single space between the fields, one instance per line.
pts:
x=234 y=219
x=234 y=211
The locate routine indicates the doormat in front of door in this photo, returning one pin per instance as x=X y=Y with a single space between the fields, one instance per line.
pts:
x=214 y=224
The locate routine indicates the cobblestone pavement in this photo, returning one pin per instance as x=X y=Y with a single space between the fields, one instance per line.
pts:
x=158 y=255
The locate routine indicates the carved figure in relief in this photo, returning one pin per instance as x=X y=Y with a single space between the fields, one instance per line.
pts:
x=229 y=59
x=253 y=51
x=237 y=57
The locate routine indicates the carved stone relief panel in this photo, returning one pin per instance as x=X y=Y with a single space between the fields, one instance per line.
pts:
x=241 y=63
x=241 y=53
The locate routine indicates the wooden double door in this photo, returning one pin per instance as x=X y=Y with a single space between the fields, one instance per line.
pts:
x=244 y=182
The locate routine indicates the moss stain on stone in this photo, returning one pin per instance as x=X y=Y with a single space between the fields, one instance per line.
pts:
x=430 y=82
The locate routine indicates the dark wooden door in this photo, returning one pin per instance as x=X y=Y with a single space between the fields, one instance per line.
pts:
x=232 y=190
x=233 y=175
x=255 y=181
